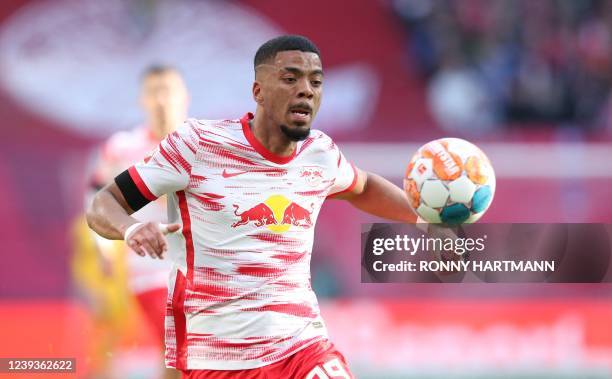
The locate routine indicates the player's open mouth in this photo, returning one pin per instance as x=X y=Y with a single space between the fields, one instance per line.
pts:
x=300 y=113
x=301 y=110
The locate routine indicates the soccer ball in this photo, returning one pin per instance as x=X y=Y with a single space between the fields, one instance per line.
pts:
x=450 y=181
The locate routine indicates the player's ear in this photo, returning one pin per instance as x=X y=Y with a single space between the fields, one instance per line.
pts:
x=257 y=95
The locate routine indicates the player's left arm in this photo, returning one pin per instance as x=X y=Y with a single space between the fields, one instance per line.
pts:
x=376 y=195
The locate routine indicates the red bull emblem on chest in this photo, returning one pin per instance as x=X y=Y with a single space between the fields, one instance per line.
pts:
x=277 y=213
x=313 y=175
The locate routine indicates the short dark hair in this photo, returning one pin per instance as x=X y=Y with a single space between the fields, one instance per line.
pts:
x=269 y=49
x=156 y=69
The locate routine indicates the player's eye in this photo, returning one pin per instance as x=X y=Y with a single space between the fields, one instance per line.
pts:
x=289 y=80
x=316 y=83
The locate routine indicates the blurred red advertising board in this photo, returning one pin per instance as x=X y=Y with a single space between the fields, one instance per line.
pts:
x=516 y=336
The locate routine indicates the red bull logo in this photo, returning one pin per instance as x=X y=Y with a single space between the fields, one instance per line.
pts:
x=313 y=175
x=261 y=214
x=277 y=213
x=296 y=215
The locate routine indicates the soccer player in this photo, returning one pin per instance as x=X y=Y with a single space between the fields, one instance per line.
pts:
x=245 y=195
x=164 y=100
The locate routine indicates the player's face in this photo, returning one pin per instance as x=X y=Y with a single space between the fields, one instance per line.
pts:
x=164 y=98
x=290 y=90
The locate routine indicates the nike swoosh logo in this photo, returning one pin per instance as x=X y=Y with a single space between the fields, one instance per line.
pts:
x=226 y=174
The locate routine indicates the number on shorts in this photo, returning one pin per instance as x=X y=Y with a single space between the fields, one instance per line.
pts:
x=331 y=369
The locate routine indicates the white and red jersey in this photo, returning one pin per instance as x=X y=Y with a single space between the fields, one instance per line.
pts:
x=240 y=294
x=120 y=151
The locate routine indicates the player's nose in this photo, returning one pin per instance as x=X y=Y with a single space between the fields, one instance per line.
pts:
x=305 y=90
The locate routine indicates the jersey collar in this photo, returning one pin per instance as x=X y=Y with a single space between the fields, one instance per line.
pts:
x=255 y=144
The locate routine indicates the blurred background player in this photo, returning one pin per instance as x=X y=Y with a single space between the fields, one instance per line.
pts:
x=100 y=282
x=164 y=99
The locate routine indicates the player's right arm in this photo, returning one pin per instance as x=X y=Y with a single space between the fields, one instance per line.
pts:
x=109 y=213
x=109 y=216
x=168 y=170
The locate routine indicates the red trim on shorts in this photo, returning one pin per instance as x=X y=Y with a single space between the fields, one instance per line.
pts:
x=140 y=184
x=255 y=144
x=178 y=312
x=350 y=187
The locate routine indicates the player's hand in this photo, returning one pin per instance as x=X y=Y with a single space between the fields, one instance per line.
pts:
x=148 y=238
x=443 y=233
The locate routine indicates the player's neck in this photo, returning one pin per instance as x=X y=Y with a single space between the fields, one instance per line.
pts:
x=270 y=136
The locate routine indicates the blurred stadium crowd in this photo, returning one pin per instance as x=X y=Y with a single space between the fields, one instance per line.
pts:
x=517 y=62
